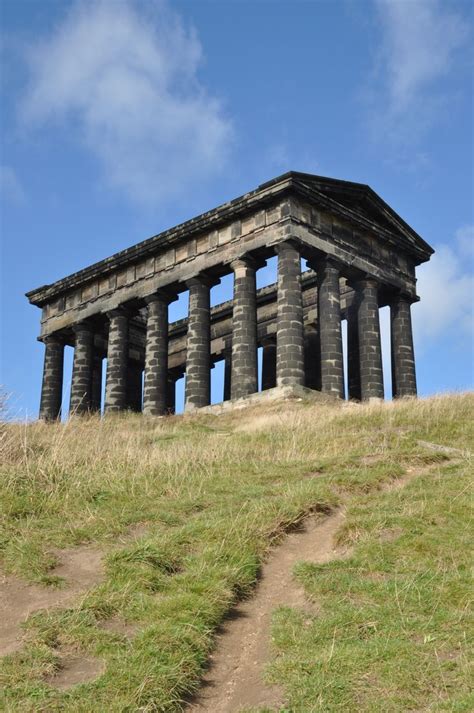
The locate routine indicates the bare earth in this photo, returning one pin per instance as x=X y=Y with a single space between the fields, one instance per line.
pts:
x=235 y=679
x=235 y=676
x=80 y=567
x=74 y=669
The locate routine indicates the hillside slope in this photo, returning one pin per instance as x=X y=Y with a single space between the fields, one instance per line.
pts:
x=126 y=541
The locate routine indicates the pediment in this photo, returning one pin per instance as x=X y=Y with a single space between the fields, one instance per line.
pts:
x=363 y=202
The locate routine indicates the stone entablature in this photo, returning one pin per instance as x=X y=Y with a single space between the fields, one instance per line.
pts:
x=221 y=323
x=362 y=253
x=144 y=278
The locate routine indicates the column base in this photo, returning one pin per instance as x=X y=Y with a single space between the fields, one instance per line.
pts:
x=277 y=393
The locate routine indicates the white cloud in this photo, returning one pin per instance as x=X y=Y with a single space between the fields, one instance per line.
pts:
x=123 y=75
x=421 y=37
x=445 y=313
x=465 y=240
x=446 y=289
x=10 y=187
x=277 y=157
x=419 y=44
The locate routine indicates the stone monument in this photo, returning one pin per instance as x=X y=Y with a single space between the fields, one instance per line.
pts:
x=362 y=256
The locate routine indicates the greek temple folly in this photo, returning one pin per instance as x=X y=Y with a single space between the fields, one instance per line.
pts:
x=362 y=256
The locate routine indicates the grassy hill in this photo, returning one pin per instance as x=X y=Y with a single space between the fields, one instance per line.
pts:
x=183 y=511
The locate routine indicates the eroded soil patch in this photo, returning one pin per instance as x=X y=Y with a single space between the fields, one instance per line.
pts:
x=235 y=676
x=74 y=669
x=117 y=625
x=235 y=679
x=80 y=567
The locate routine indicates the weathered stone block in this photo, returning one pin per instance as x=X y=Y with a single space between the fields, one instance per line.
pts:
x=343 y=229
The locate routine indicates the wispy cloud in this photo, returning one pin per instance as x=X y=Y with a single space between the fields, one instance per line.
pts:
x=465 y=242
x=122 y=76
x=282 y=156
x=11 y=190
x=419 y=43
x=446 y=289
x=445 y=313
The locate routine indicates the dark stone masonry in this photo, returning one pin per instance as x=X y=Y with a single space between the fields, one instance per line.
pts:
x=243 y=370
x=362 y=256
x=289 y=331
x=329 y=310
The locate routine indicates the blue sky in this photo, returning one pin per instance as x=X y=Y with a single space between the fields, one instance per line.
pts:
x=121 y=119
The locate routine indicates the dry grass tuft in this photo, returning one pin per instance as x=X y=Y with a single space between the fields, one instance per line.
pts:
x=214 y=493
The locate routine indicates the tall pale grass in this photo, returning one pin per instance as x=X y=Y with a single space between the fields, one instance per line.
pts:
x=91 y=450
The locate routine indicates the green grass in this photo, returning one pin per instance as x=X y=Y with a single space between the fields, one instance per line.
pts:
x=392 y=626
x=214 y=494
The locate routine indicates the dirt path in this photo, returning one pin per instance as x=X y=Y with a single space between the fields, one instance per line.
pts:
x=81 y=568
x=235 y=677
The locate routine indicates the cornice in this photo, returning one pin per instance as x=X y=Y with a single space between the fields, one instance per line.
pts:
x=266 y=194
x=200 y=224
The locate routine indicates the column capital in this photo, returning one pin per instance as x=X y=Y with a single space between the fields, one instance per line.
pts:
x=289 y=243
x=161 y=295
x=247 y=260
x=398 y=297
x=324 y=263
x=364 y=281
x=202 y=279
x=53 y=338
x=120 y=311
x=83 y=326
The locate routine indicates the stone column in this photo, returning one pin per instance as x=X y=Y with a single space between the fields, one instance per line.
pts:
x=269 y=361
x=353 y=357
x=96 y=389
x=244 y=379
x=117 y=362
x=329 y=318
x=312 y=357
x=370 y=350
x=290 y=338
x=172 y=378
x=403 y=357
x=52 y=386
x=81 y=384
x=227 y=374
x=198 y=345
x=134 y=386
x=156 y=356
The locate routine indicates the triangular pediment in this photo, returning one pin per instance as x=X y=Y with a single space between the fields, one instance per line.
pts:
x=362 y=201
